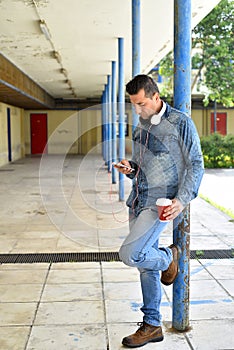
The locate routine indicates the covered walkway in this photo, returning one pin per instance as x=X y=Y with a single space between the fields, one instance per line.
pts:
x=93 y=304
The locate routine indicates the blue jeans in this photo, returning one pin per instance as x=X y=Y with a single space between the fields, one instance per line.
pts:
x=140 y=250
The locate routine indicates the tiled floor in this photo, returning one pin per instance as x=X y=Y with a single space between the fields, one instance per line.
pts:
x=92 y=305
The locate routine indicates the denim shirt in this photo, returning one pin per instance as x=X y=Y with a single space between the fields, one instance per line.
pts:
x=167 y=159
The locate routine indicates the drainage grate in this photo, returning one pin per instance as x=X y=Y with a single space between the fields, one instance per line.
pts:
x=212 y=254
x=6 y=170
x=98 y=256
x=58 y=257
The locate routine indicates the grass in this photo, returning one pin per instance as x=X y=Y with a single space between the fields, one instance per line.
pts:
x=224 y=210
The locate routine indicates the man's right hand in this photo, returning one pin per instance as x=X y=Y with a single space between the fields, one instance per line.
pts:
x=124 y=167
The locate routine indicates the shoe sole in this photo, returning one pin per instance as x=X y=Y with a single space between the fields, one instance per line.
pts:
x=155 y=340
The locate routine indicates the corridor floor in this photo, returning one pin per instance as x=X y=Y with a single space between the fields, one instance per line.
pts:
x=57 y=205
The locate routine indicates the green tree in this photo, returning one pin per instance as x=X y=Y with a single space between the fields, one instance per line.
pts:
x=213 y=42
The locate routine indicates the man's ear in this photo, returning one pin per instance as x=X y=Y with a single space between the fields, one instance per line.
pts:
x=155 y=96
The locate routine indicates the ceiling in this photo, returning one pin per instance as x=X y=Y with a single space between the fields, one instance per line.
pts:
x=73 y=60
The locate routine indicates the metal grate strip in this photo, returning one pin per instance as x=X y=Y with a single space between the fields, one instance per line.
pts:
x=7 y=170
x=98 y=256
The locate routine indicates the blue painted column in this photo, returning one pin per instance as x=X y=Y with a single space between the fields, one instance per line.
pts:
x=105 y=125
x=182 y=101
x=109 y=123
x=136 y=48
x=113 y=110
x=121 y=110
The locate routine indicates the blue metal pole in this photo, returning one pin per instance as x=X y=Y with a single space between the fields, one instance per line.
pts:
x=121 y=108
x=109 y=123
x=136 y=48
x=182 y=101
x=136 y=37
x=105 y=125
x=113 y=109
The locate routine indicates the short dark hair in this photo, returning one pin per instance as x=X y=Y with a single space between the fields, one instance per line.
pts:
x=142 y=81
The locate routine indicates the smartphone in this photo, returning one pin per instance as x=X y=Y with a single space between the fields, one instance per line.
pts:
x=120 y=165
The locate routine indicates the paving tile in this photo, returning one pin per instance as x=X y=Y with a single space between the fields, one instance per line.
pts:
x=17 y=313
x=120 y=311
x=121 y=275
x=228 y=239
x=69 y=337
x=171 y=341
x=127 y=290
x=228 y=285
x=212 y=334
x=203 y=290
x=199 y=272
x=217 y=262
x=65 y=244
x=45 y=233
x=72 y=292
x=220 y=309
x=22 y=276
x=115 y=265
x=34 y=245
x=221 y=272
x=74 y=276
x=7 y=245
x=78 y=312
x=86 y=237
x=12 y=228
x=75 y=266
x=33 y=266
x=208 y=290
x=214 y=242
x=13 y=338
x=20 y=293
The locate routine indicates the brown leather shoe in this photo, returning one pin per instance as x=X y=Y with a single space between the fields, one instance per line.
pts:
x=145 y=334
x=169 y=276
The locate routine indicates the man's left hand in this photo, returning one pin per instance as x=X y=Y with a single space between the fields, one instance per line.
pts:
x=173 y=210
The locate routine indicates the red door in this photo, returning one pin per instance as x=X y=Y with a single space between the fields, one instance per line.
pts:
x=221 y=123
x=38 y=133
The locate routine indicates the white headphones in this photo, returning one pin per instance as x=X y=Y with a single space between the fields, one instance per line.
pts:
x=156 y=118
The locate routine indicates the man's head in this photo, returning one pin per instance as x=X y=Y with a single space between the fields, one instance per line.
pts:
x=144 y=95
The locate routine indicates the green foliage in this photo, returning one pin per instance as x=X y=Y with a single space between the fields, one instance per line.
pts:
x=218 y=151
x=166 y=70
x=213 y=43
x=214 y=38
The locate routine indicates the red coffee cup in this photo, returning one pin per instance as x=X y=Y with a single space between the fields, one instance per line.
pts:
x=162 y=204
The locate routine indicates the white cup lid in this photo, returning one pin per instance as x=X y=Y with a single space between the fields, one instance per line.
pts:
x=163 y=201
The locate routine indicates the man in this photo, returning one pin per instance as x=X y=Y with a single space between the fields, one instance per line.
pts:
x=167 y=162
